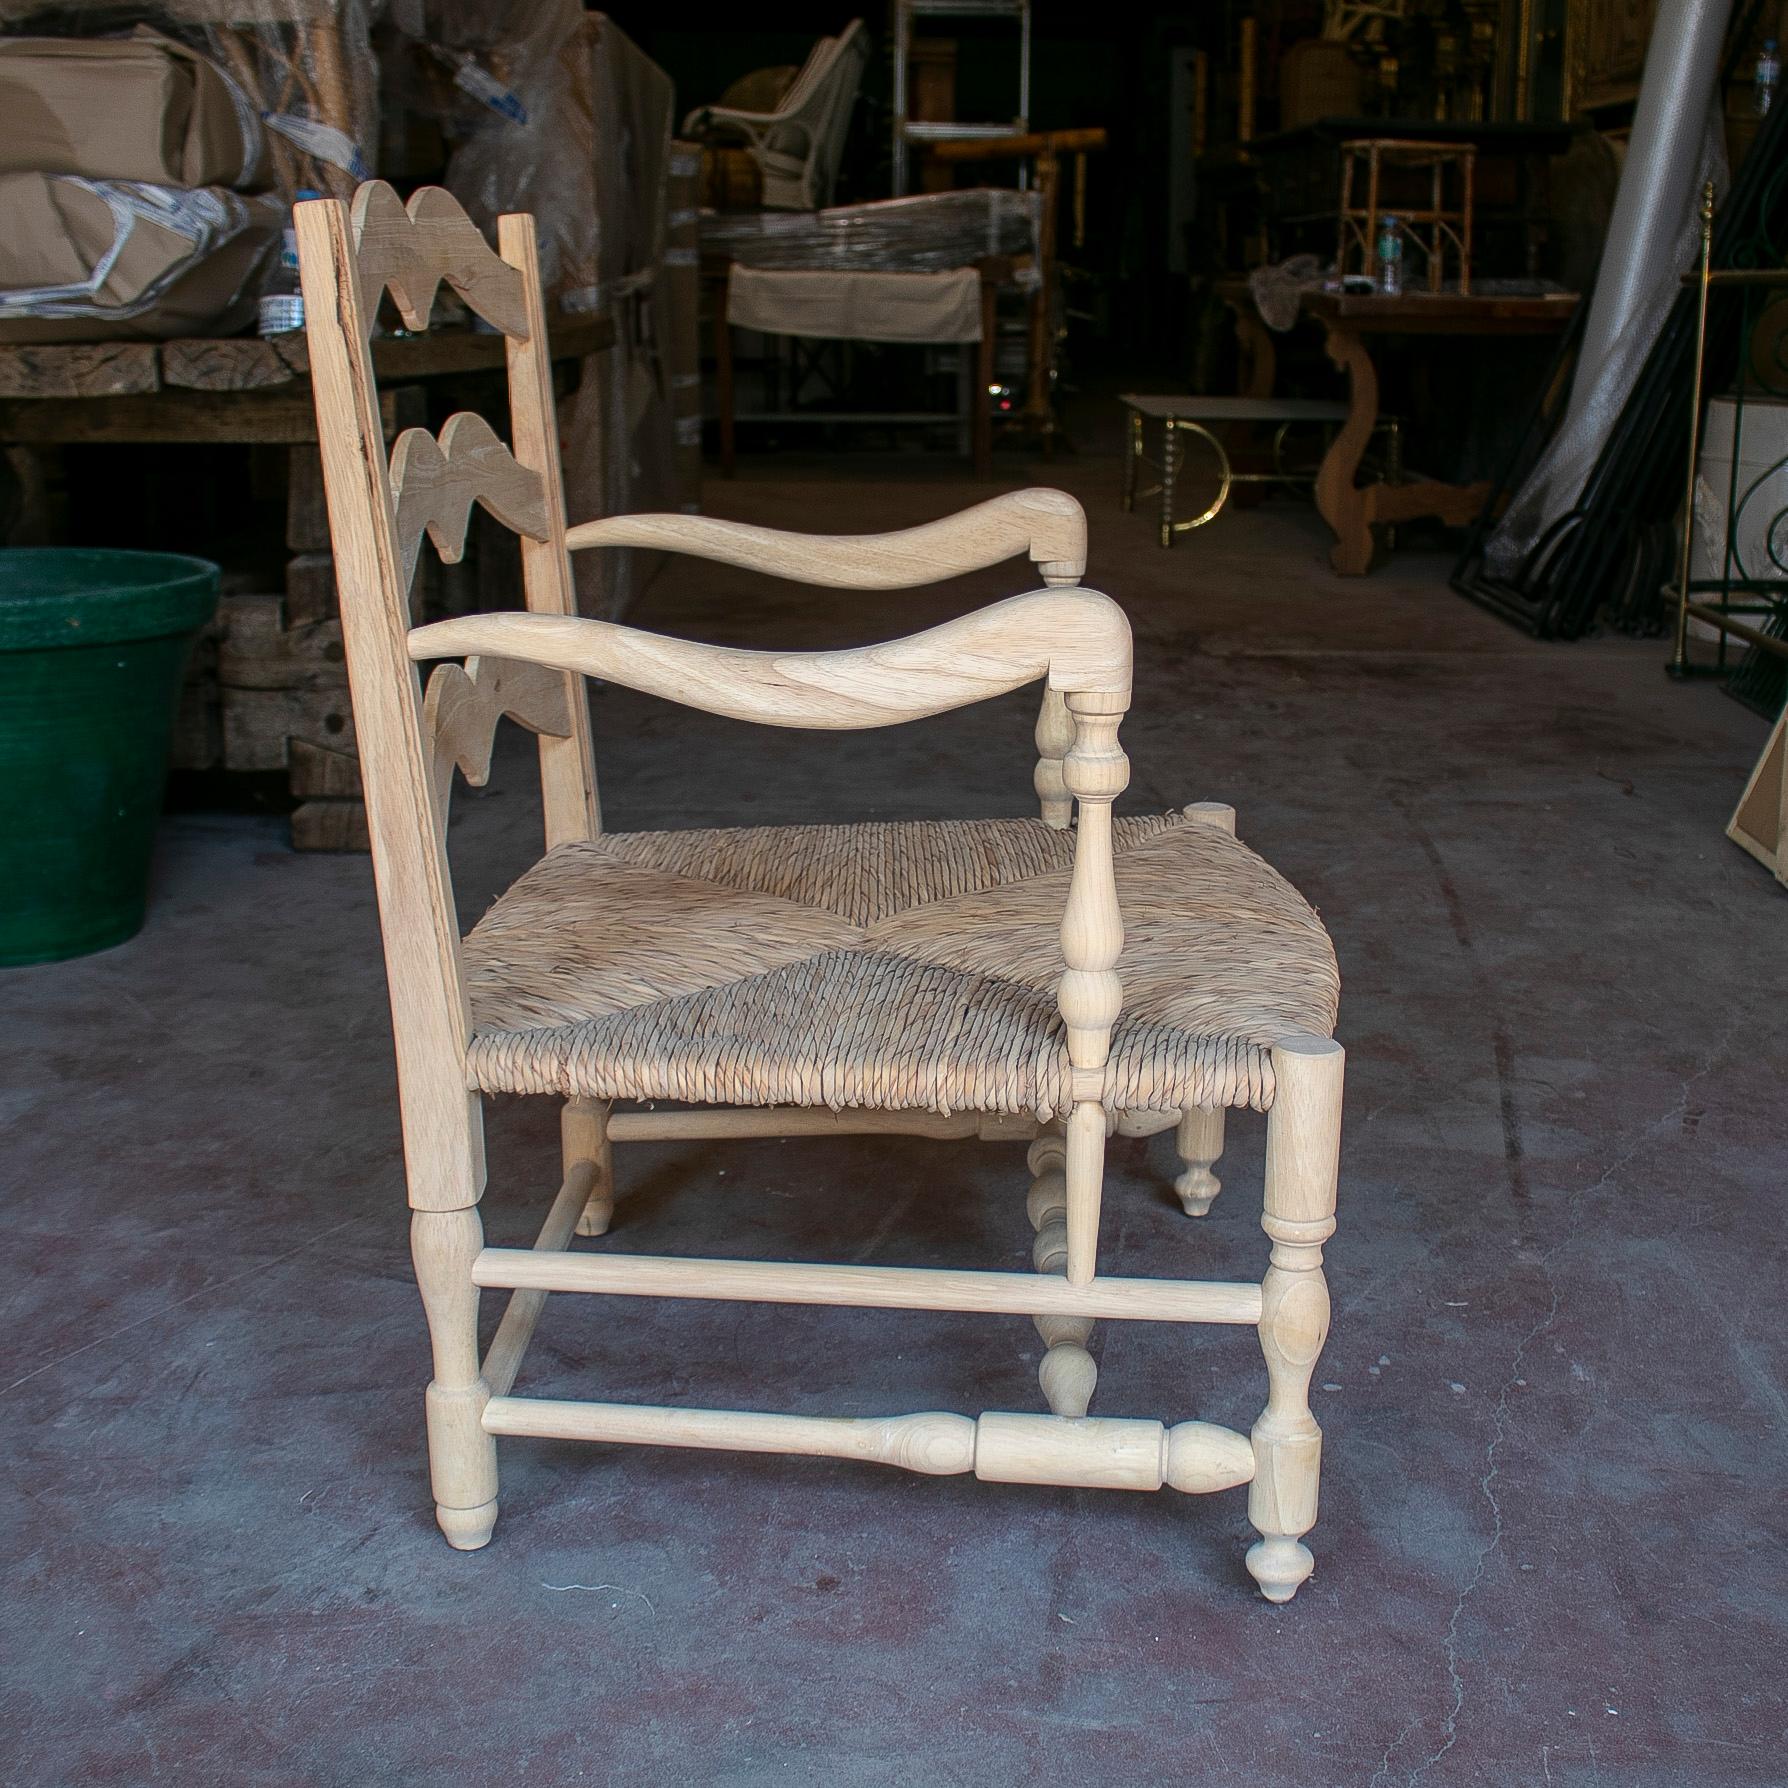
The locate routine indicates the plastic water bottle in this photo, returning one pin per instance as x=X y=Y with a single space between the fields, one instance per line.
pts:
x=281 y=308
x=1390 y=256
x=1768 y=78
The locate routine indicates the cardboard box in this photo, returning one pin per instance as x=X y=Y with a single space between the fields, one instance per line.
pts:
x=93 y=260
x=140 y=107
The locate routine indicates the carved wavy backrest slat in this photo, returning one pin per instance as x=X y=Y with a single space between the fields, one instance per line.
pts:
x=434 y=484
x=463 y=704
x=408 y=250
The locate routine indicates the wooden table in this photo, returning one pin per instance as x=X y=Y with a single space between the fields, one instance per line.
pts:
x=269 y=694
x=1351 y=509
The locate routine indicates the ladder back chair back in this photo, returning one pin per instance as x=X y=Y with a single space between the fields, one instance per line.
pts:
x=514 y=1007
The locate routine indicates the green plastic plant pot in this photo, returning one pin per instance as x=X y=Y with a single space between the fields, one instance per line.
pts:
x=93 y=650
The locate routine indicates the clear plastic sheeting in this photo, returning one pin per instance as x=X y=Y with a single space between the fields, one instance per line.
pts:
x=1677 y=146
x=558 y=112
x=928 y=233
x=306 y=66
x=87 y=260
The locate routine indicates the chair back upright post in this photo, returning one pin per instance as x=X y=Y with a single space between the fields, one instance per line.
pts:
x=379 y=511
x=568 y=790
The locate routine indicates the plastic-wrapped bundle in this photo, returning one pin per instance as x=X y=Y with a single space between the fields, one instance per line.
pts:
x=558 y=112
x=86 y=260
x=927 y=233
x=141 y=107
x=306 y=65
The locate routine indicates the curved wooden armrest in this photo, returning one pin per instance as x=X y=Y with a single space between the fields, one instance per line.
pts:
x=1077 y=638
x=1049 y=525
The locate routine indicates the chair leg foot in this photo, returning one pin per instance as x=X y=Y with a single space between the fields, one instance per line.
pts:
x=1279 y=1564
x=462 y=1457
x=467 y=1529
x=1199 y=1141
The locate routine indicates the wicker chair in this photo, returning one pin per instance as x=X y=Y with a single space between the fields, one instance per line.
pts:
x=941 y=979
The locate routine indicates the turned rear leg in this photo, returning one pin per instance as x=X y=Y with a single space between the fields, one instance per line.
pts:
x=583 y=1136
x=1199 y=1141
x=462 y=1458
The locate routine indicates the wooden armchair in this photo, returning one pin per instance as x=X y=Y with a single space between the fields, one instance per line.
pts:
x=945 y=979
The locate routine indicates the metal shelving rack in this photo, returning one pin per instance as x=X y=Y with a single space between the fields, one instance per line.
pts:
x=910 y=131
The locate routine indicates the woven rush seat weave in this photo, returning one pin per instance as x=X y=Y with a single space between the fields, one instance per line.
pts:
x=897 y=966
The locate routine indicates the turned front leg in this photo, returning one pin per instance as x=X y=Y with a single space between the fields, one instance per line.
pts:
x=583 y=1136
x=1090 y=994
x=462 y=1458
x=1303 y=1149
x=1199 y=1141
x=1068 y=1372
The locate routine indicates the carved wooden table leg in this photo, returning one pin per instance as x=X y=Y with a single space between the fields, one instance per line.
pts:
x=1303 y=1146
x=1257 y=360
x=1352 y=510
x=1338 y=499
x=1068 y=1372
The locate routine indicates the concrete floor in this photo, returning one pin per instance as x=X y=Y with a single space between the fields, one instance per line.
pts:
x=1551 y=1541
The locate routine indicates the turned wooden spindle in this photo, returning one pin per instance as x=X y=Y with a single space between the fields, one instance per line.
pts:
x=583 y=1136
x=462 y=1457
x=1090 y=994
x=1200 y=1138
x=1199 y=1141
x=1093 y=1453
x=1067 y=1372
x=1055 y=725
x=1302 y=1153
x=1054 y=736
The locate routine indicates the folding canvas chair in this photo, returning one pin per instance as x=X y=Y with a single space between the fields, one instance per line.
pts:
x=797 y=147
x=946 y=979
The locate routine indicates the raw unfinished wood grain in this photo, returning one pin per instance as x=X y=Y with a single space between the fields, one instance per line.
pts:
x=1195 y=1457
x=435 y=483
x=1067 y=1373
x=872 y=1288
x=568 y=790
x=462 y=706
x=531 y=667
x=1090 y=993
x=1048 y=525
x=409 y=250
x=1303 y=1150
x=1077 y=638
x=794 y=1120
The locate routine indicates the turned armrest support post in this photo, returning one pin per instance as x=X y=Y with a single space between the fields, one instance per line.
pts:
x=1090 y=993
